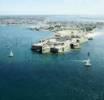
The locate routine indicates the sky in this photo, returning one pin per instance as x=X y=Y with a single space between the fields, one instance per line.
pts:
x=52 y=7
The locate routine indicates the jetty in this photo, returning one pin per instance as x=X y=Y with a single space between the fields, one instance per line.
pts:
x=61 y=42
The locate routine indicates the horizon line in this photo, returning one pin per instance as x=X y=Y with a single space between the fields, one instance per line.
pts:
x=50 y=15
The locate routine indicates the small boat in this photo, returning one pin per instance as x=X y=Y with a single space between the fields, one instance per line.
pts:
x=11 y=54
x=88 y=62
x=90 y=36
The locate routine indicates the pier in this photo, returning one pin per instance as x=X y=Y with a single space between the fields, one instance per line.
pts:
x=61 y=42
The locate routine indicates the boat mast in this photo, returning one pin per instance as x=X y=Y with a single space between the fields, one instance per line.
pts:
x=88 y=54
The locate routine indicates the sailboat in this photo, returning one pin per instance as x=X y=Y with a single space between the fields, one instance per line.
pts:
x=11 y=54
x=88 y=62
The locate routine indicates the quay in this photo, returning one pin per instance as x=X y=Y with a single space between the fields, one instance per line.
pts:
x=61 y=42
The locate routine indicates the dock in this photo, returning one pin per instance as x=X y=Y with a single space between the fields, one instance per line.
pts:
x=61 y=42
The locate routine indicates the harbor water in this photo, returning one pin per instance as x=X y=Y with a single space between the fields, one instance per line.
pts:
x=32 y=76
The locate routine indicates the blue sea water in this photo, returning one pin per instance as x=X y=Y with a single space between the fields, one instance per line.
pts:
x=32 y=76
